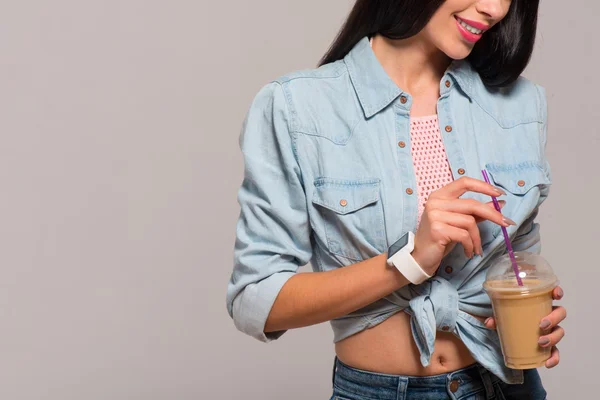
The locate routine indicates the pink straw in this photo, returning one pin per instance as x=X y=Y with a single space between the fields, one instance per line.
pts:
x=511 y=253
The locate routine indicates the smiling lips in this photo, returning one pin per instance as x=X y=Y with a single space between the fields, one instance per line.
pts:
x=471 y=30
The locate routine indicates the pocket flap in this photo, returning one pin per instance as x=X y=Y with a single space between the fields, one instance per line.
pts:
x=345 y=196
x=518 y=178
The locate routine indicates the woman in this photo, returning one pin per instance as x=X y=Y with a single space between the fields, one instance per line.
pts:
x=345 y=162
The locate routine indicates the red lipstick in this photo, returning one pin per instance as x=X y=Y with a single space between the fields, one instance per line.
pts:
x=475 y=24
x=468 y=35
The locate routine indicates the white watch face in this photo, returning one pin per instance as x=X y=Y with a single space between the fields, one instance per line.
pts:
x=399 y=245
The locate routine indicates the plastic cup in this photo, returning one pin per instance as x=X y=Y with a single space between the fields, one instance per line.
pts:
x=519 y=310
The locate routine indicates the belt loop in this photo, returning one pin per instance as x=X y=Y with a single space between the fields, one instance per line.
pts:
x=487 y=382
x=333 y=372
x=402 y=388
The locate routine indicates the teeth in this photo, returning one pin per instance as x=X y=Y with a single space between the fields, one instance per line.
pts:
x=470 y=28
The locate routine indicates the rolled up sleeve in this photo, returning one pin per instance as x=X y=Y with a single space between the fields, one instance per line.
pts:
x=273 y=229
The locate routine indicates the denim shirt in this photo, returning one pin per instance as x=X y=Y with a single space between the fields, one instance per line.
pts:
x=326 y=182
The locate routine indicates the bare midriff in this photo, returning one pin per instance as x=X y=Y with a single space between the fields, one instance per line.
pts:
x=389 y=348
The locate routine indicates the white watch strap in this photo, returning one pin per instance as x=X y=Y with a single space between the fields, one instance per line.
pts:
x=408 y=267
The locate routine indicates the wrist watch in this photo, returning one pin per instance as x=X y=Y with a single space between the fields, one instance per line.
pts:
x=399 y=256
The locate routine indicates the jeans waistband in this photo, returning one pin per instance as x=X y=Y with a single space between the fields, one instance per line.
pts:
x=371 y=385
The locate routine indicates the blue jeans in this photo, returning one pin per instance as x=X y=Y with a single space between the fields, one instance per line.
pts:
x=471 y=383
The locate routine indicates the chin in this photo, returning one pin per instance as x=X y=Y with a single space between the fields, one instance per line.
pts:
x=458 y=51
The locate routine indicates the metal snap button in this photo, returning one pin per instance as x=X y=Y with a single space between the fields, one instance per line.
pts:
x=343 y=203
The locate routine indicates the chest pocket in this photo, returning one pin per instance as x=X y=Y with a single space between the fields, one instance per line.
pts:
x=349 y=217
x=525 y=183
x=518 y=179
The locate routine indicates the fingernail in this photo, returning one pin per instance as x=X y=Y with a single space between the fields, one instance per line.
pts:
x=560 y=292
x=487 y=321
x=545 y=324
x=509 y=221
x=499 y=191
x=544 y=341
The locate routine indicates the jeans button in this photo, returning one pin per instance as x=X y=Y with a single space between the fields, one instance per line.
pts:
x=454 y=386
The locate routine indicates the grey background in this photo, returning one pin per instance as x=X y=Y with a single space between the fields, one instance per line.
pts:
x=119 y=167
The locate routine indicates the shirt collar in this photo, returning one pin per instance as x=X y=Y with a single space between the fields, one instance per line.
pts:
x=376 y=90
x=373 y=86
x=465 y=76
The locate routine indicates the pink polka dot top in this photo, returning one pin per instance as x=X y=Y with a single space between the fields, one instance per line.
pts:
x=429 y=158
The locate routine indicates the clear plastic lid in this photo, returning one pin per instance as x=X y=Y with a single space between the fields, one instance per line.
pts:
x=534 y=271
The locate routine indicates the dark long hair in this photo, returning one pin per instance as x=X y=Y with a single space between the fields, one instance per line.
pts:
x=499 y=57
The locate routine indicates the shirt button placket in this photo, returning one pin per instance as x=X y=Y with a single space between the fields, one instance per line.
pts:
x=405 y=162
x=451 y=138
